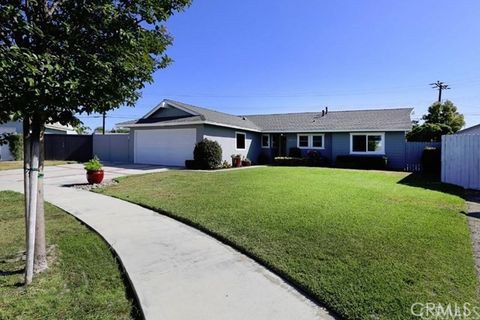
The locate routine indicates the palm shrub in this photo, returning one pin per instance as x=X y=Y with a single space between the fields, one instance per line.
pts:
x=207 y=154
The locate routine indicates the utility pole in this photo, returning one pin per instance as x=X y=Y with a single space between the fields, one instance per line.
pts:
x=440 y=85
x=103 y=123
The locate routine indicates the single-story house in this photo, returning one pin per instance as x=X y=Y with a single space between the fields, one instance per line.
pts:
x=167 y=134
x=17 y=127
x=471 y=130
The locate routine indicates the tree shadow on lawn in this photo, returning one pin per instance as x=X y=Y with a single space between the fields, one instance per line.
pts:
x=431 y=182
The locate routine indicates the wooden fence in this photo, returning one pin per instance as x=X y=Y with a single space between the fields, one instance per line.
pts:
x=461 y=160
x=414 y=152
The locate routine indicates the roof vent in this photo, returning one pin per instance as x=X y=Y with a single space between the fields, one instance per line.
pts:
x=326 y=110
x=243 y=118
x=323 y=113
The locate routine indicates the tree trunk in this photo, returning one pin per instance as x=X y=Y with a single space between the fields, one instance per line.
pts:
x=33 y=192
x=40 y=259
x=26 y=168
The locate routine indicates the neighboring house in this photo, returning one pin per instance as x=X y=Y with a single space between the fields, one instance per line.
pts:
x=472 y=130
x=168 y=133
x=17 y=127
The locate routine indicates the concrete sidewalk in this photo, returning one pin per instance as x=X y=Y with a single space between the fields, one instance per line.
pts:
x=177 y=271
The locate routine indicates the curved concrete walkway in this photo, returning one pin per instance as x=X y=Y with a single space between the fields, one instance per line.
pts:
x=176 y=271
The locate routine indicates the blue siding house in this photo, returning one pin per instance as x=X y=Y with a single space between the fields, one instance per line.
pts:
x=168 y=133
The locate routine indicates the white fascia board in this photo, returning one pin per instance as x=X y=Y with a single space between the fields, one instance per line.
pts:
x=162 y=105
x=342 y=130
x=230 y=126
x=156 y=124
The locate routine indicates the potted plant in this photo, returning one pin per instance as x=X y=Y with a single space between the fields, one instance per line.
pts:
x=246 y=162
x=236 y=160
x=94 y=171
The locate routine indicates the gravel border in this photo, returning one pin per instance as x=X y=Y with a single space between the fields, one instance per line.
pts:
x=90 y=187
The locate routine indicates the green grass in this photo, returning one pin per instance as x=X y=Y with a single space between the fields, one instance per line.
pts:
x=364 y=243
x=83 y=281
x=8 y=165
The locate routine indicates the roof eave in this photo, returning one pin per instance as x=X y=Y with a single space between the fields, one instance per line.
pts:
x=156 y=124
x=336 y=130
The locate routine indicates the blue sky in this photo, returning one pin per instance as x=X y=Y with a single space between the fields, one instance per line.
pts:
x=271 y=56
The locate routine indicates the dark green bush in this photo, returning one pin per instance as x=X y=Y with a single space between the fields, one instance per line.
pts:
x=190 y=164
x=362 y=162
x=295 y=153
x=263 y=158
x=289 y=161
x=432 y=161
x=207 y=154
x=15 y=145
x=315 y=159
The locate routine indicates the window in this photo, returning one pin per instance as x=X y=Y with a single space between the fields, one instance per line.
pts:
x=317 y=141
x=240 y=137
x=313 y=141
x=265 y=141
x=303 y=141
x=372 y=143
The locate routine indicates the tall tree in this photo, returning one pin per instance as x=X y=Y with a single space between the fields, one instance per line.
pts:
x=61 y=58
x=442 y=118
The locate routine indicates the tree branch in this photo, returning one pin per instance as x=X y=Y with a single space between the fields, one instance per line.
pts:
x=50 y=11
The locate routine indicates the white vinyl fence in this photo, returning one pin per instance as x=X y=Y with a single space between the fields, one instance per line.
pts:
x=461 y=160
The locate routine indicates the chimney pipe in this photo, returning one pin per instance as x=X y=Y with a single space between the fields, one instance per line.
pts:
x=323 y=113
x=326 y=110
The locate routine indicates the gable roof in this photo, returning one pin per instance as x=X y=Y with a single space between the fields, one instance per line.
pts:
x=198 y=116
x=358 y=120
x=472 y=130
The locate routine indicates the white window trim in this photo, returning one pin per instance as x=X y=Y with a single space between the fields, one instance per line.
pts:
x=317 y=135
x=310 y=141
x=245 y=139
x=268 y=140
x=366 y=134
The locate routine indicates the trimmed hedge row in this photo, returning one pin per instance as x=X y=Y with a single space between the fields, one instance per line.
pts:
x=313 y=159
x=362 y=162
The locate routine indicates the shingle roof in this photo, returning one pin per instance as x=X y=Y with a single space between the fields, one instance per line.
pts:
x=216 y=116
x=378 y=119
x=358 y=120
x=472 y=130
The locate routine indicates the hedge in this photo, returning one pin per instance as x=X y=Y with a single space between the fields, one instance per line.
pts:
x=362 y=162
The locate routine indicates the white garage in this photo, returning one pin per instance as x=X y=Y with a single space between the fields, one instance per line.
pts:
x=169 y=147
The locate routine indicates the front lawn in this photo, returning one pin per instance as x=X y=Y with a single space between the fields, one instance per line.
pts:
x=364 y=243
x=8 y=165
x=83 y=281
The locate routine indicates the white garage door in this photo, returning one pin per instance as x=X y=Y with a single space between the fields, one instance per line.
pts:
x=170 y=147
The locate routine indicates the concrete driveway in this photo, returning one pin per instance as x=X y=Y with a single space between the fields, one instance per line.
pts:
x=69 y=174
x=177 y=272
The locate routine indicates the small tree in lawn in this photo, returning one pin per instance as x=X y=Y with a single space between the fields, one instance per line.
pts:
x=442 y=118
x=61 y=58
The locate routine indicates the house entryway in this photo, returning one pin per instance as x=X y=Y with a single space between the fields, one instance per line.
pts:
x=279 y=145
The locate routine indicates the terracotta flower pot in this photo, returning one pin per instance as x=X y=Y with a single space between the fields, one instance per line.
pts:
x=95 y=177
x=237 y=162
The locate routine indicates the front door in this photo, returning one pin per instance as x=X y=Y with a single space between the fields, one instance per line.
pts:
x=279 y=144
